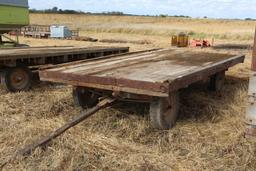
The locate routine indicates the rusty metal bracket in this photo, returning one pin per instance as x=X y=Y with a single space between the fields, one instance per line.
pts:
x=251 y=108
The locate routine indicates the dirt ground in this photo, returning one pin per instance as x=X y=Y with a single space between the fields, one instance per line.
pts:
x=209 y=134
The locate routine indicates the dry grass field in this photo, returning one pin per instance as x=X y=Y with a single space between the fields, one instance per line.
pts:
x=209 y=134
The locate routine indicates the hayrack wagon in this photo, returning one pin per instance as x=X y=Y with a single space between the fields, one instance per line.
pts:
x=16 y=64
x=153 y=76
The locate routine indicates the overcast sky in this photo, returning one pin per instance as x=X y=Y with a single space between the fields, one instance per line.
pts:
x=195 y=8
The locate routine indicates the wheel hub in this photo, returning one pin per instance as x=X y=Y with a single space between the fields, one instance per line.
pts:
x=19 y=79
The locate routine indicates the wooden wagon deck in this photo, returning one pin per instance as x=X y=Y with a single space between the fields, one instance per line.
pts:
x=16 y=64
x=55 y=51
x=152 y=73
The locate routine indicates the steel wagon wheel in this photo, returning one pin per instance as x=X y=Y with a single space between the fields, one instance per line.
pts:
x=84 y=97
x=164 y=111
x=17 y=79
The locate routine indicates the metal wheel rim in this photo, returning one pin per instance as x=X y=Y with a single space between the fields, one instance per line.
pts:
x=168 y=108
x=19 y=79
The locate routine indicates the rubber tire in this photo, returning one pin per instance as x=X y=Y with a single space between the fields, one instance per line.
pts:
x=85 y=98
x=6 y=79
x=217 y=81
x=161 y=107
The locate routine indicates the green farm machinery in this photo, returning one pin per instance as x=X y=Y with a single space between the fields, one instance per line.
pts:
x=14 y=14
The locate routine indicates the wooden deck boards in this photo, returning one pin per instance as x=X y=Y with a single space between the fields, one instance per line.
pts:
x=143 y=69
x=52 y=51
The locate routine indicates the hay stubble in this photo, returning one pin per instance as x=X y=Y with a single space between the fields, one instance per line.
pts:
x=208 y=135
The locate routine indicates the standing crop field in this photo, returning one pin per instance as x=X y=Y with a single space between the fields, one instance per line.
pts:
x=152 y=26
x=209 y=134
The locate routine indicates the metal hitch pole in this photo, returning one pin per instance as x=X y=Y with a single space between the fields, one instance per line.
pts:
x=105 y=102
x=251 y=109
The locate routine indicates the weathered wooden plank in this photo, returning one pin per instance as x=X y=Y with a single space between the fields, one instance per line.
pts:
x=156 y=72
x=109 y=87
x=35 y=56
x=55 y=51
x=202 y=73
x=104 y=61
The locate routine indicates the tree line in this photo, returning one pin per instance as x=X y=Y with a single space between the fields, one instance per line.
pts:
x=56 y=10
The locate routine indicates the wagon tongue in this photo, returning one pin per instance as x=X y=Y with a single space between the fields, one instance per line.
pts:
x=104 y=103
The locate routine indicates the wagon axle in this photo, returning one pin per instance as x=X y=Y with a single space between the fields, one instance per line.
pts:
x=153 y=76
x=163 y=112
